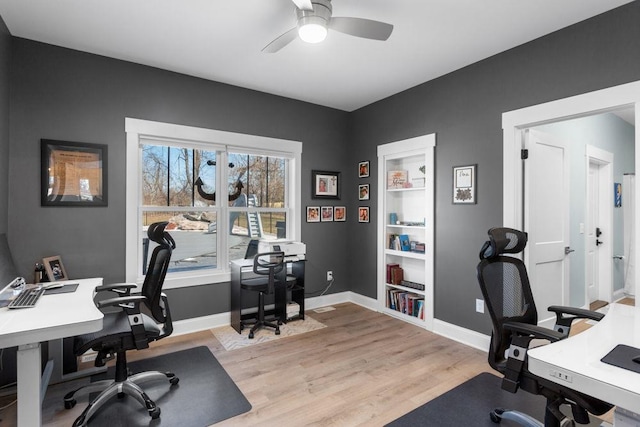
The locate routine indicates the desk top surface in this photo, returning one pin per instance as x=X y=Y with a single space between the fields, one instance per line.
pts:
x=54 y=316
x=579 y=357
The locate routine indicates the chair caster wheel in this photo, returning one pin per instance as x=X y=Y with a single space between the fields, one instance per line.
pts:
x=79 y=421
x=155 y=413
x=277 y=331
x=250 y=335
x=496 y=415
x=174 y=380
x=68 y=404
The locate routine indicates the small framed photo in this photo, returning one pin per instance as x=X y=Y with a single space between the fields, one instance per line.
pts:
x=363 y=214
x=327 y=214
x=340 y=213
x=363 y=169
x=54 y=268
x=363 y=192
x=325 y=184
x=73 y=173
x=313 y=213
x=464 y=184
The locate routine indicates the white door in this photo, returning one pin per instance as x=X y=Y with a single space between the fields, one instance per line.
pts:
x=546 y=211
x=591 y=236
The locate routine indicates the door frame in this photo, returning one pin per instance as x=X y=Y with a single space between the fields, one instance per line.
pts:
x=605 y=216
x=515 y=122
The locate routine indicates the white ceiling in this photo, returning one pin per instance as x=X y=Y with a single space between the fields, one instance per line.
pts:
x=221 y=40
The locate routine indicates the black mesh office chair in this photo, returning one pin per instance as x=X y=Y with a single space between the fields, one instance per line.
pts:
x=267 y=266
x=507 y=293
x=252 y=248
x=141 y=319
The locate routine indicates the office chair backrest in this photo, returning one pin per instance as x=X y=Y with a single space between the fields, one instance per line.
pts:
x=157 y=269
x=505 y=286
x=252 y=249
x=269 y=264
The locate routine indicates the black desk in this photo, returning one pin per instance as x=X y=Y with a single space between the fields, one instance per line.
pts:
x=244 y=268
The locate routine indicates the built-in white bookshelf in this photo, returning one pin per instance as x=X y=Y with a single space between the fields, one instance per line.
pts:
x=405 y=229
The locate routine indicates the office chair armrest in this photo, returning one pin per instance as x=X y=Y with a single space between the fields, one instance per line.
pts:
x=577 y=313
x=566 y=315
x=533 y=331
x=127 y=302
x=119 y=288
x=521 y=336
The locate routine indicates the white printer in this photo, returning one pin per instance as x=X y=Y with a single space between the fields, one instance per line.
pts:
x=291 y=249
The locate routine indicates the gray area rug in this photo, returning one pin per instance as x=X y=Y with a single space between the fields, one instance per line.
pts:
x=469 y=404
x=205 y=394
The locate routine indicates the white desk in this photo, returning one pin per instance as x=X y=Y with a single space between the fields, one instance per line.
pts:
x=579 y=358
x=54 y=316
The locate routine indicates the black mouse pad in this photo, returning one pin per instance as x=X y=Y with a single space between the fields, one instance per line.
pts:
x=622 y=357
x=71 y=287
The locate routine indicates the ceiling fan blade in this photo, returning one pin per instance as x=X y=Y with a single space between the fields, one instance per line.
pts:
x=361 y=27
x=303 y=4
x=281 y=41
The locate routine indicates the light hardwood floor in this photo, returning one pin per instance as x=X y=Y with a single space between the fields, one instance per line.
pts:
x=364 y=368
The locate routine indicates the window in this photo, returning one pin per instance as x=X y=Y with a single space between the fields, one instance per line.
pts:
x=175 y=174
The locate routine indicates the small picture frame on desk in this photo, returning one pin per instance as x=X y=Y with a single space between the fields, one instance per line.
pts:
x=55 y=269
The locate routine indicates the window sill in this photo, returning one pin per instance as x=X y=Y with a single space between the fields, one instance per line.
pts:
x=184 y=281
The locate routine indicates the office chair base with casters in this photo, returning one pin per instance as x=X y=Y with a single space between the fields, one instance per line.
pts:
x=260 y=321
x=124 y=384
x=524 y=420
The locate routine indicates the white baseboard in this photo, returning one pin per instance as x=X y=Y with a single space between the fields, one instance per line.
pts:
x=448 y=330
x=462 y=335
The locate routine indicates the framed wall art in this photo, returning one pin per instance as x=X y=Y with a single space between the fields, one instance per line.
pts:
x=325 y=184
x=313 y=213
x=363 y=169
x=363 y=214
x=340 y=213
x=363 y=192
x=464 y=184
x=73 y=173
x=326 y=214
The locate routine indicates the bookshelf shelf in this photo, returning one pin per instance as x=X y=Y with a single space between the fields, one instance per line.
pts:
x=405 y=222
x=407 y=254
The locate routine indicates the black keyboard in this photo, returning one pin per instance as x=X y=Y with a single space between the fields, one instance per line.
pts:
x=27 y=298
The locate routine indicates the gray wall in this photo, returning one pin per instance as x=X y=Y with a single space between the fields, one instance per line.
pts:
x=68 y=95
x=5 y=44
x=464 y=109
x=62 y=94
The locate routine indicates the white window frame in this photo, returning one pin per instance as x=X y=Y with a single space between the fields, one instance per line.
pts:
x=144 y=131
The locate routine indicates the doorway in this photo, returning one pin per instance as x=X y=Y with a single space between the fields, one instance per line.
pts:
x=515 y=124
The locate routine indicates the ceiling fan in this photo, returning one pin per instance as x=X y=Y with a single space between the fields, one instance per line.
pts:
x=314 y=19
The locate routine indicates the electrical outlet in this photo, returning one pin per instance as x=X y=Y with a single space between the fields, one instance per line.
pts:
x=480 y=305
x=329 y=276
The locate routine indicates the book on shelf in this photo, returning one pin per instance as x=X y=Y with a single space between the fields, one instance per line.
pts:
x=389 y=267
x=419 y=248
x=404 y=242
x=413 y=285
x=397 y=274
x=406 y=302
x=397 y=179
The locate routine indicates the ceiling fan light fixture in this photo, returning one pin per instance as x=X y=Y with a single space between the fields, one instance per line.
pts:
x=312 y=29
